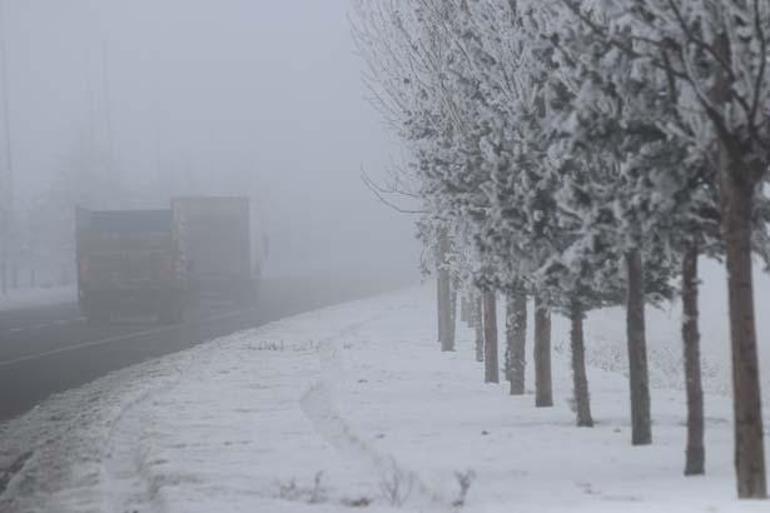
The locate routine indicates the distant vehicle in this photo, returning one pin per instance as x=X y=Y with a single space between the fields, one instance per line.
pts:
x=130 y=262
x=142 y=262
x=215 y=236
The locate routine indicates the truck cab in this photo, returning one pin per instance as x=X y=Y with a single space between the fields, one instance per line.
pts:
x=215 y=236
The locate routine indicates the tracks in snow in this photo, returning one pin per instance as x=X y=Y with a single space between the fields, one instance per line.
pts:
x=398 y=484
x=129 y=484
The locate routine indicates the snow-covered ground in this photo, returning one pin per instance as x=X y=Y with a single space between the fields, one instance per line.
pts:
x=354 y=406
x=22 y=298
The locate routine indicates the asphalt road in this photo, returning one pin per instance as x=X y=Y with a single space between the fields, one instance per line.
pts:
x=49 y=349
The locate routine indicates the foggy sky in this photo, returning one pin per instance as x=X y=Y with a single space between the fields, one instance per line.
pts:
x=220 y=95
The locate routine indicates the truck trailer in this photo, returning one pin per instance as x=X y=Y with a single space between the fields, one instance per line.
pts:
x=130 y=263
x=139 y=262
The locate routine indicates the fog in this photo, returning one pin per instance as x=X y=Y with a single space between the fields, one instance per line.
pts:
x=116 y=104
x=208 y=303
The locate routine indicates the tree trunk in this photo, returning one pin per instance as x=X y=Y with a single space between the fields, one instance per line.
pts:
x=465 y=312
x=736 y=198
x=508 y=357
x=478 y=324
x=641 y=430
x=695 y=456
x=737 y=183
x=542 y=355
x=491 y=373
x=579 y=375
x=444 y=307
x=444 y=296
x=452 y=318
x=516 y=338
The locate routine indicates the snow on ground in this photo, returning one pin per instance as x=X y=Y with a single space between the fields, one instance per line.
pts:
x=355 y=407
x=22 y=298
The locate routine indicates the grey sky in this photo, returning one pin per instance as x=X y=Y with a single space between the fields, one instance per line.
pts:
x=214 y=94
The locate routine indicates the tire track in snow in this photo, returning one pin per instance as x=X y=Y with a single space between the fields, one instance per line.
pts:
x=318 y=405
x=130 y=486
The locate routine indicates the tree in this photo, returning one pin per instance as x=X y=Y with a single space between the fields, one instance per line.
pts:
x=716 y=55
x=401 y=54
x=445 y=301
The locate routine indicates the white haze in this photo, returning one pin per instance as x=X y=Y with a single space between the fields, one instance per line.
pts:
x=164 y=97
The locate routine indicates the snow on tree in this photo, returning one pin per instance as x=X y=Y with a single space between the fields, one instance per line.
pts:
x=586 y=153
x=715 y=55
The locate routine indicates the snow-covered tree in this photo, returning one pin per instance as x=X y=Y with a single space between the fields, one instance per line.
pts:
x=714 y=55
x=585 y=153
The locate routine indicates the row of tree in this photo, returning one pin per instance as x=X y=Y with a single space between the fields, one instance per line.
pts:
x=585 y=153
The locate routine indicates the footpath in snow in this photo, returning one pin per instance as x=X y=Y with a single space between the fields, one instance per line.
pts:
x=355 y=408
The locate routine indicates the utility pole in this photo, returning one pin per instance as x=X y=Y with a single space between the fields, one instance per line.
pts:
x=6 y=178
x=107 y=114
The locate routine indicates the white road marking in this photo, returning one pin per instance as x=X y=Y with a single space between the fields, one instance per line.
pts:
x=35 y=327
x=110 y=340
x=63 y=322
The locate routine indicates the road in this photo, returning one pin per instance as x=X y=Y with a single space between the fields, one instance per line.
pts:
x=49 y=349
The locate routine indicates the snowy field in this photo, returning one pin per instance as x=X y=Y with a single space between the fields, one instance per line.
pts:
x=354 y=408
x=22 y=298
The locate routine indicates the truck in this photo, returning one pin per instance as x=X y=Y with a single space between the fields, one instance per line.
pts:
x=216 y=238
x=130 y=263
x=160 y=262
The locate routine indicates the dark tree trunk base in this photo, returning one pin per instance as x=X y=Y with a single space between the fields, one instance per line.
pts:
x=478 y=324
x=696 y=454
x=639 y=382
x=696 y=461
x=542 y=356
x=516 y=333
x=579 y=375
x=736 y=197
x=444 y=293
x=445 y=301
x=491 y=371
